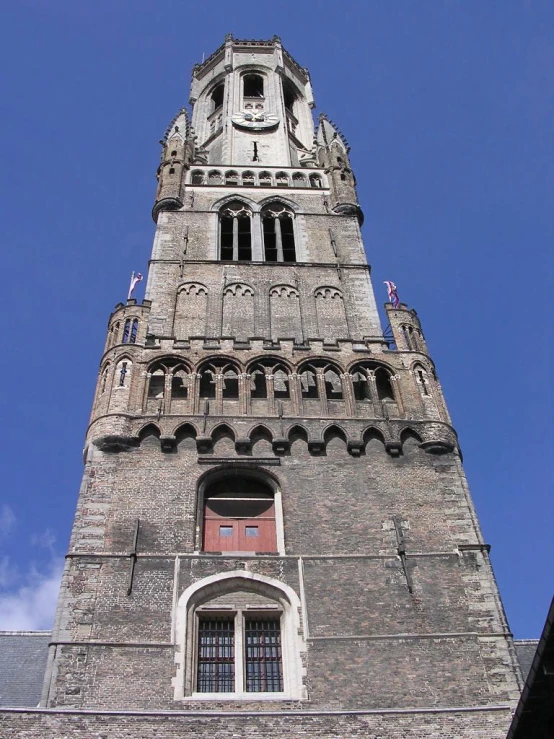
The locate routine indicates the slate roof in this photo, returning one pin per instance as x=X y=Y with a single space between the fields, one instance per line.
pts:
x=22 y=664
x=525 y=651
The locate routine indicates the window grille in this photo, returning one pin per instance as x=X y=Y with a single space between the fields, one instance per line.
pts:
x=263 y=665
x=216 y=655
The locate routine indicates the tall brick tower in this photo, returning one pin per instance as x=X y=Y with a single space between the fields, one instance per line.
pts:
x=274 y=534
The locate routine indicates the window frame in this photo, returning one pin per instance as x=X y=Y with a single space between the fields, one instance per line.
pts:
x=239 y=618
x=225 y=472
x=283 y=598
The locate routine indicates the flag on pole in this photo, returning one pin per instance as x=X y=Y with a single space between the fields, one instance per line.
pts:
x=392 y=293
x=134 y=279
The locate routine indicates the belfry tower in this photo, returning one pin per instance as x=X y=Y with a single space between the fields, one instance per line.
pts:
x=274 y=534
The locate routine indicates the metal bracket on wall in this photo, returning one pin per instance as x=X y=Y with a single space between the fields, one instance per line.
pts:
x=133 y=558
x=401 y=551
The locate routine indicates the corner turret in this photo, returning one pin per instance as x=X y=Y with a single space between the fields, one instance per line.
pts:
x=332 y=154
x=177 y=155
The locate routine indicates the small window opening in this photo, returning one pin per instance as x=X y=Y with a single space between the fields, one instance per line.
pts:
x=217 y=97
x=259 y=384
x=179 y=389
x=156 y=385
x=126 y=330
x=333 y=385
x=197 y=178
x=361 y=386
x=230 y=384
x=423 y=383
x=122 y=374
x=255 y=157
x=174 y=153
x=384 y=387
x=289 y=95
x=308 y=382
x=281 y=382
x=134 y=329
x=207 y=384
x=104 y=380
x=253 y=86
x=172 y=170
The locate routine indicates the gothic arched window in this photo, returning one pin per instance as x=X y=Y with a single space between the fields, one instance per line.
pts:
x=235 y=238
x=371 y=381
x=278 y=230
x=219 y=378
x=216 y=97
x=318 y=378
x=268 y=378
x=168 y=383
x=253 y=85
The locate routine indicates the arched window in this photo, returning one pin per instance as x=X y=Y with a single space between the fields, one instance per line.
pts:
x=281 y=179
x=269 y=378
x=248 y=649
x=215 y=178
x=371 y=381
x=298 y=180
x=239 y=516
x=315 y=180
x=197 y=178
x=231 y=178
x=290 y=95
x=235 y=239
x=422 y=380
x=168 y=386
x=265 y=179
x=126 y=331
x=253 y=85
x=134 y=330
x=318 y=378
x=278 y=230
x=216 y=97
x=248 y=179
x=219 y=378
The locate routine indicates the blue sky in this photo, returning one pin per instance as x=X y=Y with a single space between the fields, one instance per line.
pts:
x=449 y=109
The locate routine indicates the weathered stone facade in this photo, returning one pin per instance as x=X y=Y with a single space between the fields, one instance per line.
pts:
x=273 y=370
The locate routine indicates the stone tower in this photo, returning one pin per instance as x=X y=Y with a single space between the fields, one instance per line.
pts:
x=274 y=534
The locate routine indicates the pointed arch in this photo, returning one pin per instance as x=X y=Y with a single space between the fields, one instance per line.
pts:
x=297 y=432
x=259 y=588
x=260 y=432
x=222 y=431
x=238 y=311
x=148 y=432
x=330 y=311
x=373 y=437
x=409 y=439
x=334 y=431
x=284 y=308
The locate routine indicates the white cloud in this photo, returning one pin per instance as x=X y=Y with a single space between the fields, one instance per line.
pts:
x=7 y=519
x=31 y=605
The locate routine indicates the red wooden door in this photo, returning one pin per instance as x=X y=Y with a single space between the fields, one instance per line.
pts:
x=228 y=533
